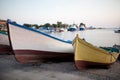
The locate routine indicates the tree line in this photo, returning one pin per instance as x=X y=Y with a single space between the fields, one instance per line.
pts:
x=57 y=25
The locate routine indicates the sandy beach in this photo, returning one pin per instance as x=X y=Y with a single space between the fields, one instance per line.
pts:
x=10 y=69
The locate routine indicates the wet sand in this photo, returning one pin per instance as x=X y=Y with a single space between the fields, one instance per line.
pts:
x=10 y=69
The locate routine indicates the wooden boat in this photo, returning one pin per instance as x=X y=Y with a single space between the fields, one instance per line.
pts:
x=4 y=43
x=30 y=45
x=89 y=56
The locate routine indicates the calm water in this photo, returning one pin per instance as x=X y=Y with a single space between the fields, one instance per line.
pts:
x=98 y=37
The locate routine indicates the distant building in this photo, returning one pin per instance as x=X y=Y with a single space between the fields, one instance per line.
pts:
x=3 y=26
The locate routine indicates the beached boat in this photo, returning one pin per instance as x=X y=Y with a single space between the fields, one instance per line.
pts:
x=4 y=43
x=30 y=45
x=3 y=38
x=89 y=56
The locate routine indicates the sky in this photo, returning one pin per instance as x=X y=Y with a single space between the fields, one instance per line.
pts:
x=97 y=13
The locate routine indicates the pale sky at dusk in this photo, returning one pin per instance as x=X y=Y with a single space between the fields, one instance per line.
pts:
x=98 y=13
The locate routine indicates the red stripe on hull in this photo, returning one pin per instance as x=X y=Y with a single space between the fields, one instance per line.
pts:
x=86 y=64
x=26 y=56
x=5 y=49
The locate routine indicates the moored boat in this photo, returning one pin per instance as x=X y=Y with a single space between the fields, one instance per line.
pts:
x=72 y=28
x=117 y=31
x=89 y=56
x=30 y=45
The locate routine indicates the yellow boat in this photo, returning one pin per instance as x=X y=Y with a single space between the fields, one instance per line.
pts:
x=89 y=56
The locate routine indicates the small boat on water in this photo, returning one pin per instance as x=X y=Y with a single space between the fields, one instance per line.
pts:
x=89 y=56
x=46 y=29
x=30 y=45
x=4 y=43
x=81 y=29
x=117 y=31
x=72 y=28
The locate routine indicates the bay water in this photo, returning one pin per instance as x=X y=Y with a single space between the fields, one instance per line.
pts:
x=97 y=37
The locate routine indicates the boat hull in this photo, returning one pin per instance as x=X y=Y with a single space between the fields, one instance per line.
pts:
x=4 y=44
x=81 y=64
x=30 y=45
x=33 y=56
x=89 y=56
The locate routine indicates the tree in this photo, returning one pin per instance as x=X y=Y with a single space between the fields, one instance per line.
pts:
x=54 y=25
x=65 y=25
x=59 y=24
x=31 y=25
x=47 y=25
x=28 y=25
x=36 y=26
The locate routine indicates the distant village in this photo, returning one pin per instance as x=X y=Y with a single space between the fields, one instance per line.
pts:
x=58 y=27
